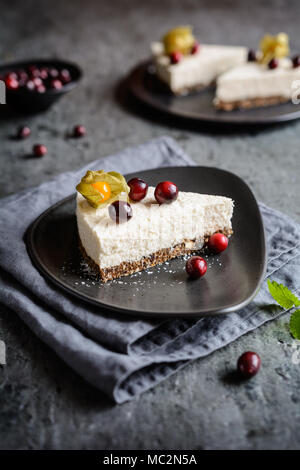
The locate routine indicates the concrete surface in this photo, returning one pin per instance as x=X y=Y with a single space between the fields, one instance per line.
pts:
x=43 y=404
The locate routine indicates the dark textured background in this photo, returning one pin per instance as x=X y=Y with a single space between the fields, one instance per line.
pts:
x=43 y=404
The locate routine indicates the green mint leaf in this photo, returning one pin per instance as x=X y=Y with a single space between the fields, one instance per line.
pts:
x=283 y=296
x=295 y=324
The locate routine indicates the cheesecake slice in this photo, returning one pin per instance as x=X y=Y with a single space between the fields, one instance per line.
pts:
x=154 y=234
x=197 y=70
x=255 y=84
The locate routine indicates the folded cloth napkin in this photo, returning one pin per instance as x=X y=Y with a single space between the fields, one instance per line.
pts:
x=119 y=355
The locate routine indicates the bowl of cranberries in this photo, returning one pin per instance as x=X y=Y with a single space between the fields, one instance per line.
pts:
x=34 y=85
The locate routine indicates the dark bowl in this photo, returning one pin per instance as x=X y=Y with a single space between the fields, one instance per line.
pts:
x=31 y=101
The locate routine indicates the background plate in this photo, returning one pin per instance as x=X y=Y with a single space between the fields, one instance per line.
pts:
x=232 y=279
x=198 y=106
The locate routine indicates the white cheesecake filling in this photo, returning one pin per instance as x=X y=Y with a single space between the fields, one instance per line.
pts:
x=253 y=80
x=201 y=68
x=153 y=227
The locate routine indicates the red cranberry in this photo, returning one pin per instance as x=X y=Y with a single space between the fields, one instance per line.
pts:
x=120 y=211
x=56 y=84
x=41 y=88
x=251 y=55
x=273 y=64
x=196 y=267
x=44 y=74
x=79 y=131
x=296 y=61
x=23 y=132
x=39 y=150
x=22 y=75
x=53 y=72
x=138 y=189
x=30 y=85
x=176 y=57
x=217 y=242
x=23 y=78
x=11 y=83
x=248 y=364
x=166 y=192
x=33 y=71
x=12 y=76
x=65 y=76
x=37 y=81
x=195 y=48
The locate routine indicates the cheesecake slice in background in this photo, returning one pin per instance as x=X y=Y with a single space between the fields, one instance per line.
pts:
x=269 y=77
x=254 y=84
x=198 y=70
x=185 y=65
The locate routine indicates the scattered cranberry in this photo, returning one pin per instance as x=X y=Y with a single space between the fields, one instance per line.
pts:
x=166 y=192
x=195 y=48
x=56 y=84
x=273 y=64
x=248 y=364
x=296 y=61
x=251 y=55
x=217 y=242
x=138 y=189
x=11 y=83
x=79 y=131
x=39 y=150
x=176 y=57
x=120 y=211
x=23 y=132
x=196 y=267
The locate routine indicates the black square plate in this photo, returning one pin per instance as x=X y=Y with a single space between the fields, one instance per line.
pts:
x=232 y=279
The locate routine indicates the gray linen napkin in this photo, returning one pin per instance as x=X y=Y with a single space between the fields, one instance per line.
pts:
x=125 y=356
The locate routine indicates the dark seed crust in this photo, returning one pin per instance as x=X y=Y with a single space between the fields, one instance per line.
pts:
x=250 y=103
x=126 y=268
